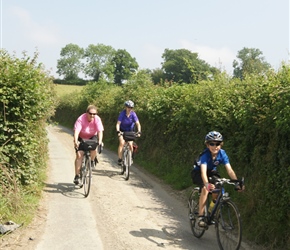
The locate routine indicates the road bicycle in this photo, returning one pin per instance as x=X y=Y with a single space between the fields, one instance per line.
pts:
x=86 y=167
x=224 y=215
x=127 y=160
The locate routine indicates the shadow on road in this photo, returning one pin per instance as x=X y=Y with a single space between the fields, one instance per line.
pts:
x=66 y=189
x=162 y=238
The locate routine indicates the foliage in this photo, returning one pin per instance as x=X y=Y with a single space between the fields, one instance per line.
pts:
x=249 y=61
x=99 y=61
x=253 y=116
x=124 y=66
x=27 y=100
x=183 y=66
x=69 y=65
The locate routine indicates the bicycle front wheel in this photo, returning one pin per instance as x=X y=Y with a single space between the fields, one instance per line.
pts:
x=87 y=177
x=193 y=203
x=228 y=226
x=128 y=162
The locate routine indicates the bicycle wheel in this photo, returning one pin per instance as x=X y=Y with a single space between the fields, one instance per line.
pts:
x=128 y=162
x=193 y=203
x=87 y=176
x=228 y=226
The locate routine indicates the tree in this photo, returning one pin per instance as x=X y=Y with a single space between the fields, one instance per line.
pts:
x=183 y=66
x=157 y=75
x=250 y=61
x=69 y=66
x=124 y=66
x=99 y=61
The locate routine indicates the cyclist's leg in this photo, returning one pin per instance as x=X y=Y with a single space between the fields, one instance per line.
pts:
x=131 y=146
x=78 y=161
x=120 y=148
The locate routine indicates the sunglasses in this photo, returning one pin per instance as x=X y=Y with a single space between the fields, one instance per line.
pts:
x=92 y=113
x=214 y=144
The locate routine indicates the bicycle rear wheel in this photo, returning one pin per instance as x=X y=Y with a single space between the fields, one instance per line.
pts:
x=228 y=226
x=128 y=162
x=87 y=176
x=193 y=203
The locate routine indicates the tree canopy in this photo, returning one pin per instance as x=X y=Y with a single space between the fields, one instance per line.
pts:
x=249 y=61
x=124 y=66
x=70 y=64
x=184 y=66
x=99 y=61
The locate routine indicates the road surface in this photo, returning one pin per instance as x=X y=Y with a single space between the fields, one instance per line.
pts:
x=139 y=214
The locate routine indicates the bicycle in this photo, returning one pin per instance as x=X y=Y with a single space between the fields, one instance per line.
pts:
x=224 y=215
x=127 y=153
x=86 y=167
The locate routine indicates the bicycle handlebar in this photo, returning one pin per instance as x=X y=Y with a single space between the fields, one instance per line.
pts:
x=222 y=181
x=121 y=133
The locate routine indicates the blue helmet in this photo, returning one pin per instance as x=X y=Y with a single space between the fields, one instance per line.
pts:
x=214 y=136
x=129 y=104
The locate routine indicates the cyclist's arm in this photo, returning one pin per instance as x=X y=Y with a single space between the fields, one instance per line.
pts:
x=138 y=126
x=230 y=171
x=118 y=125
x=100 y=137
x=76 y=136
x=203 y=168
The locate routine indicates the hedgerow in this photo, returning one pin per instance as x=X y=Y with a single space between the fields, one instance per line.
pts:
x=27 y=100
x=253 y=115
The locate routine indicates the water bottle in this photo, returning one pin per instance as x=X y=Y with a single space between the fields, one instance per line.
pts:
x=211 y=205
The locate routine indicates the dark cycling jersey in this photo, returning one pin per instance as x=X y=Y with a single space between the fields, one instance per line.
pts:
x=206 y=158
x=127 y=123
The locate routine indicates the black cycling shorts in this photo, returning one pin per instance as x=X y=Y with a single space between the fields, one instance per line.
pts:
x=196 y=176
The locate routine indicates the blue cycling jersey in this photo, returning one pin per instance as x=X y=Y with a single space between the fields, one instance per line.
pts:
x=127 y=123
x=206 y=158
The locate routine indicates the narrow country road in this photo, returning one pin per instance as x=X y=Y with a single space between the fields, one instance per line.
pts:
x=138 y=214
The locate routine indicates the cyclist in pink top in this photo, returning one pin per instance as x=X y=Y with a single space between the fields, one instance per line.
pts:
x=88 y=126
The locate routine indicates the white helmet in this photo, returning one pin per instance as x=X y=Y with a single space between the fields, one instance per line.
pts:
x=129 y=104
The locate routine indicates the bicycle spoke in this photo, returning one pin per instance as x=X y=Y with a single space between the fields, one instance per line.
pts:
x=228 y=228
x=193 y=202
x=127 y=161
x=87 y=176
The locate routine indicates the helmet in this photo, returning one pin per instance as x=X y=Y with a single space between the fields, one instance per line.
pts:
x=214 y=136
x=129 y=104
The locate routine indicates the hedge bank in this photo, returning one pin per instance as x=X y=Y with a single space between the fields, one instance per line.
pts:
x=253 y=115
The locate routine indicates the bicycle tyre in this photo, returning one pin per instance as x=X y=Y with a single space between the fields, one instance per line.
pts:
x=228 y=226
x=128 y=162
x=87 y=176
x=193 y=207
x=123 y=161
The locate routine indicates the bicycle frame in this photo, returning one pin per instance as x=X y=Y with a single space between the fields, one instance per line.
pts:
x=127 y=160
x=221 y=195
x=127 y=155
x=224 y=215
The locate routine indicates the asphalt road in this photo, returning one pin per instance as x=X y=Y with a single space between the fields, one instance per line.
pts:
x=141 y=213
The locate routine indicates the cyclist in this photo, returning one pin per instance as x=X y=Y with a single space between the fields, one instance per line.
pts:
x=88 y=126
x=126 y=122
x=206 y=167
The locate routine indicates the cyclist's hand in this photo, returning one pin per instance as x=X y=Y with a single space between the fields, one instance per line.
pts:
x=119 y=133
x=138 y=134
x=209 y=186
x=76 y=144
x=240 y=185
x=100 y=147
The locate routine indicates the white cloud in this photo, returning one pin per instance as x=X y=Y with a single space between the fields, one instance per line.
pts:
x=39 y=34
x=218 y=57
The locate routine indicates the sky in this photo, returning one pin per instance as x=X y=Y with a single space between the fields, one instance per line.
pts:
x=215 y=29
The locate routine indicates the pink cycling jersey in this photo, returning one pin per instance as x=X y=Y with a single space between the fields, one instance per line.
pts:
x=88 y=129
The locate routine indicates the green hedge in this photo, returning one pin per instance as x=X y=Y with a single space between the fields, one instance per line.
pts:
x=253 y=115
x=27 y=100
